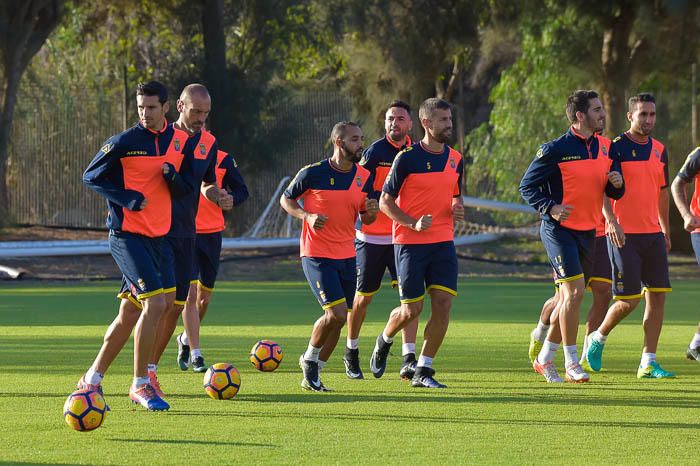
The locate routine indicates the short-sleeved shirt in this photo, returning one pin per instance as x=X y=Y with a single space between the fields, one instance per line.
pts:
x=338 y=195
x=210 y=217
x=128 y=168
x=424 y=183
x=646 y=172
x=198 y=166
x=571 y=170
x=689 y=173
x=378 y=159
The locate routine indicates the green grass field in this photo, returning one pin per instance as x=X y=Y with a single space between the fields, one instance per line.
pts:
x=496 y=409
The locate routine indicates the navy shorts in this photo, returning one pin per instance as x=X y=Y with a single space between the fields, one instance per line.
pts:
x=178 y=256
x=602 y=270
x=421 y=266
x=139 y=258
x=695 y=241
x=570 y=252
x=206 y=259
x=372 y=261
x=331 y=280
x=640 y=265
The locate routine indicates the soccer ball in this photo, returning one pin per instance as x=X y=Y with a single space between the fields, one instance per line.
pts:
x=84 y=410
x=222 y=381
x=266 y=355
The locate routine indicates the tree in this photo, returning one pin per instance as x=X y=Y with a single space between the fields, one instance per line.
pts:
x=24 y=27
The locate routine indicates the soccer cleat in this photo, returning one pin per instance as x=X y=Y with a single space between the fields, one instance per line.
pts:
x=693 y=353
x=535 y=347
x=83 y=385
x=377 y=363
x=548 y=371
x=576 y=374
x=423 y=378
x=146 y=396
x=585 y=365
x=654 y=371
x=311 y=380
x=594 y=355
x=153 y=378
x=352 y=364
x=198 y=364
x=408 y=369
x=183 y=354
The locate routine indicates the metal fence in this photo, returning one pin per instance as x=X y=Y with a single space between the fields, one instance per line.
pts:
x=55 y=136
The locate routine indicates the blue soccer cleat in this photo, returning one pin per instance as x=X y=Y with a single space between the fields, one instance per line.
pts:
x=146 y=396
x=594 y=356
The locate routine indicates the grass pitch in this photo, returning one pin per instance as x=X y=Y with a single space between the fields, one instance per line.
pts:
x=496 y=409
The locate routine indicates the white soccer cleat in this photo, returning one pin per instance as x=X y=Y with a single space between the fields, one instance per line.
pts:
x=576 y=374
x=548 y=371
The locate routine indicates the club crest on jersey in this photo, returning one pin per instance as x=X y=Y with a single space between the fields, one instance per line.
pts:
x=141 y=283
x=177 y=145
x=107 y=147
x=358 y=180
x=620 y=286
x=202 y=148
x=656 y=153
x=452 y=162
x=604 y=150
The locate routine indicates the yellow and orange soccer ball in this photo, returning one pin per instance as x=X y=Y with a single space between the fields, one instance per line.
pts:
x=84 y=410
x=222 y=381
x=266 y=355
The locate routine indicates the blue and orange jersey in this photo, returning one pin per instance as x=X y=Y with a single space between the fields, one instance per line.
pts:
x=646 y=174
x=128 y=168
x=338 y=195
x=378 y=159
x=423 y=182
x=198 y=166
x=689 y=173
x=572 y=170
x=210 y=217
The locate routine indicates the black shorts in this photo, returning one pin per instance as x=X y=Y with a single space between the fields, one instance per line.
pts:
x=372 y=262
x=205 y=267
x=640 y=265
x=570 y=251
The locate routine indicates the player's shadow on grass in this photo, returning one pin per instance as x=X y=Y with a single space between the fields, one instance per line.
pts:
x=194 y=442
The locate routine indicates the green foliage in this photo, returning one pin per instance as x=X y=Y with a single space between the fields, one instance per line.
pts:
x=528 y=104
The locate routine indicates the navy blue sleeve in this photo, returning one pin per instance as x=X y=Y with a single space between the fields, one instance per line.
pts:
x=664 y=160
x=691 y=166
x=233 y=181
x=99 y=174
x=538 y=173
x=210 y=174
x=615 y=166
x=298 y=186
x=368 y=188
x=460 y=173
x=397 y=175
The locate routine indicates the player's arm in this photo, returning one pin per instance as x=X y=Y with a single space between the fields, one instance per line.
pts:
x=233 y=181
x=178 y=186
x=98 y=177
x=390 y=191
x=457 y=202
x=537 y=175
x=687 y=174
x=615 y=187
x=664 y=202
x=368 y=212
x=208 y=188
x=612 y=228
x=290 y=200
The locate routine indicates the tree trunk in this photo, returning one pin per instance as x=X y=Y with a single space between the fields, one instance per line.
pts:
x=215 y=70
x=616 y=60
x=8 y=110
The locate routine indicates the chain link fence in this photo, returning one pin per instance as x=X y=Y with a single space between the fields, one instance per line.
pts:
x=55 y=135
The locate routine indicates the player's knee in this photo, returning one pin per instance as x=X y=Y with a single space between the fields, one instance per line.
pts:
x=362 y=302
x=441 y=301
x=575 y=294
x=337 y=315
x=202 y=303
x=410 y=311
x=155 y=305
x=628 y=305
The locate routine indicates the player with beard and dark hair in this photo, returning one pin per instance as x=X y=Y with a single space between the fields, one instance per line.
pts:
x=638 y=237
x=375 y=252
x=422 y=195
x=334 y=192
x=566 y=183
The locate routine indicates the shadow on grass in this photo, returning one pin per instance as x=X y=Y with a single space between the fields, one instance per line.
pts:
x=194 y=442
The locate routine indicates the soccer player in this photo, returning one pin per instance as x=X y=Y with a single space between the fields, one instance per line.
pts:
x=209 y=223
x=422 y=196
x=132 y=171
x=638 y=236
x=375 y=253
x=198 y=170
x=566 y=183
x=333 y=192
x=690 y=211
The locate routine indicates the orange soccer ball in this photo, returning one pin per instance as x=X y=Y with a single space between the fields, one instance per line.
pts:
x=266 y=355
